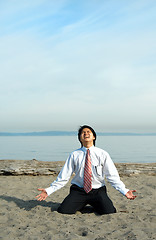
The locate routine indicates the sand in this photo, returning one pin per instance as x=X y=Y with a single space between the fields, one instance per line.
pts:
x=23 y=217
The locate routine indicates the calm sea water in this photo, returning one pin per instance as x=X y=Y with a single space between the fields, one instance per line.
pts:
x=125 y=149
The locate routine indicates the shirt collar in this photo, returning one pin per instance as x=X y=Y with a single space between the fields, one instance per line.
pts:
x=85 y=149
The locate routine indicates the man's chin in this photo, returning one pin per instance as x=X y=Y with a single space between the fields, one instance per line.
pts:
x=86 y=141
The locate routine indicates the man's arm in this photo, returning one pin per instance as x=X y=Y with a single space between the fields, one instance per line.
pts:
x=61 y=180
x=113 y=177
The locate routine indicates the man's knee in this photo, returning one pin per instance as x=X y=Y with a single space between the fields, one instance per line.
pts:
x=64 y=210
x=107 y=211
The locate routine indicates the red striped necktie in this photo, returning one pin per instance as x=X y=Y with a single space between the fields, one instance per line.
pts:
x=87 y=173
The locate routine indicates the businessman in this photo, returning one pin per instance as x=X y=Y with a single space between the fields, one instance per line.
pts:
x=91 y=165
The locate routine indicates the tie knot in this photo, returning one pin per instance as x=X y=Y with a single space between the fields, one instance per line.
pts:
x=88 y=151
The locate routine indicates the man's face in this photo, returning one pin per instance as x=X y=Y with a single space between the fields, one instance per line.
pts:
x=86 y=136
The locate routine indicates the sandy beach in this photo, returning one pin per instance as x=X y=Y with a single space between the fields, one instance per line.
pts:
x=23 y=217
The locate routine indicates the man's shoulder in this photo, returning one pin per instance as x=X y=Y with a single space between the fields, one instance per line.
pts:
x=100 y=150
x=77 y=151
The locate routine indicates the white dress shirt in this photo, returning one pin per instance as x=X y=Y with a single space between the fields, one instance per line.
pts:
x=102 y=166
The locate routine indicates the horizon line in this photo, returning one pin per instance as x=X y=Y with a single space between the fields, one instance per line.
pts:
x=73 y=133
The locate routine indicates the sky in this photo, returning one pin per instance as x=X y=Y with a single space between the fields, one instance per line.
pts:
x=65 y=63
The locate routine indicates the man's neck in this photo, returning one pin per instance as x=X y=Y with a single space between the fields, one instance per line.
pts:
x=87 y=145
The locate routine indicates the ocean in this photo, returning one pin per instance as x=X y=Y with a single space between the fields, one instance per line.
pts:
x=124 y=149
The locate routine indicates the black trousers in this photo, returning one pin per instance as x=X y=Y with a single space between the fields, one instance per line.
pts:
x=78 y=198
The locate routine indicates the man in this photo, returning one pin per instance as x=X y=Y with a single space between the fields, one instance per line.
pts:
x=90 y=165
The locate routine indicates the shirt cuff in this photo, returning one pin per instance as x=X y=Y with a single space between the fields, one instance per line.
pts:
x=49 y=190
x=124 y=191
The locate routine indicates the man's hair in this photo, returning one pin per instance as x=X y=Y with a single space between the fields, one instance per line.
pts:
x=80 y=131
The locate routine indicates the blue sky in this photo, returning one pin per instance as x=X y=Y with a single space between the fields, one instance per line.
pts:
x=67 y=63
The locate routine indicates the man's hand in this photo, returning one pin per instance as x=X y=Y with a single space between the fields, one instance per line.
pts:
x=43 y=195
x=130 y=195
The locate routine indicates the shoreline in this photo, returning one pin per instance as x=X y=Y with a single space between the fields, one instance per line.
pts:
x=34 y=168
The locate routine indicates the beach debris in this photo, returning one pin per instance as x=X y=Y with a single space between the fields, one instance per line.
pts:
x=35 y=167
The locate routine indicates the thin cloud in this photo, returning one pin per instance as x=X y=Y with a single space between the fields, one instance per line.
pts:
x=54 y=68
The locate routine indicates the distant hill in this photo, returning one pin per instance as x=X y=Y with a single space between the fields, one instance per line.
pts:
x=48 y=133
x=73 y=133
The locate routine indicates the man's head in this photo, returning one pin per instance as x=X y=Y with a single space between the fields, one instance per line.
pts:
x=86 y=134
